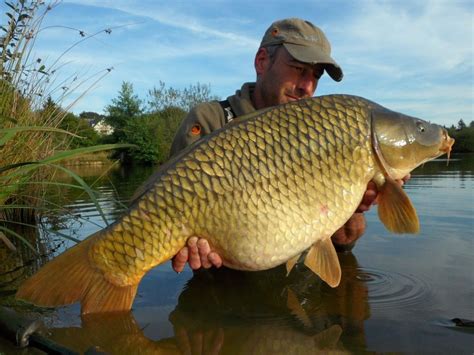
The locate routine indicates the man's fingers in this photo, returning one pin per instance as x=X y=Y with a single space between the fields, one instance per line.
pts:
x=197 y=343
x=184 y=344
x=215 y=259
x=372 y=186
x=369 y=197
x=197 y=253
x=180 y=260
x=213 y=341
x=362 y=208
x=403 y=180
x=204 y=250
x=194 y=259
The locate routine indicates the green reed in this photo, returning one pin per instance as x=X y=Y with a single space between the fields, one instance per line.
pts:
x=31 y=143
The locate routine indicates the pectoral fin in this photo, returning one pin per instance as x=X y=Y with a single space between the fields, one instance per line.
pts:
x=290 y=263
x=322 y=260
x=395 y=209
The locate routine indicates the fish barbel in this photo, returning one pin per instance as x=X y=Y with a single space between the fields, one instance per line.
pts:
x=261 y=190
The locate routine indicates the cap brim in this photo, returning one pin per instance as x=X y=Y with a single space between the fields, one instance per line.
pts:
x=314 y=55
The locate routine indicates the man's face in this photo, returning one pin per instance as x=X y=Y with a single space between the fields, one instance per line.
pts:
x=285 y=79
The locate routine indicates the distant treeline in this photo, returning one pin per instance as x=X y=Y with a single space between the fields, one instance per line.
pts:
x=151 y=125
x=464 y=136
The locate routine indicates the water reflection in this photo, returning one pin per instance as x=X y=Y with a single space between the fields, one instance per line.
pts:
x=17 y=265
x=227 y=311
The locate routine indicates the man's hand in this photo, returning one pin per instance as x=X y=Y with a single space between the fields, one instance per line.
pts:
x=345 y=237
x=369 y=198
x=370 y=195
x=198 y=254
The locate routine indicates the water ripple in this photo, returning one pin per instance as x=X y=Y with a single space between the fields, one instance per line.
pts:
x=392 y=289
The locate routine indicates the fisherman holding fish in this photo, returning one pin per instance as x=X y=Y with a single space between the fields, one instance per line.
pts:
x=292 y=57
x=262 y=189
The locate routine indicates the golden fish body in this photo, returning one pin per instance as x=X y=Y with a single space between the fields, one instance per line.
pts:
x=262 y=190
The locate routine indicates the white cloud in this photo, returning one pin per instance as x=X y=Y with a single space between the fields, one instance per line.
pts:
x=415 y=57
x=434 y=33
x=168 y=16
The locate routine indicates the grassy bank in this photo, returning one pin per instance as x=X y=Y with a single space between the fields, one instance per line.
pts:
x=96 y=158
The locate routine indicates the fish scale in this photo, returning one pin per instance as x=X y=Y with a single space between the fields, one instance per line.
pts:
x=261 y=190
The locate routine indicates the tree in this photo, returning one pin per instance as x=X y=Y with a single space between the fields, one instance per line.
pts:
x=162 y=97
x=92 y=117
x=126 y=107
x=152 y=135
x=170 y=119
x=461 y=124
x=82 y=128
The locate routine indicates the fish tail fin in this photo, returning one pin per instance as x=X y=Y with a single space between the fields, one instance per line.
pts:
x=395 y=209
x=72 y=277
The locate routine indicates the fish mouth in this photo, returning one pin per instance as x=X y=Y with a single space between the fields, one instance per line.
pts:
x=446 y=143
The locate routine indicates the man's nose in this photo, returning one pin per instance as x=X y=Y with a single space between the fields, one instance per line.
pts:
x=307 y=84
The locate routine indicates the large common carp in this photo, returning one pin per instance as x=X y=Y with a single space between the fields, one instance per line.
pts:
x=262 y=190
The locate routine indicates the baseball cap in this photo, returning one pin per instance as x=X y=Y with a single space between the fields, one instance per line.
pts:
x=305 y=42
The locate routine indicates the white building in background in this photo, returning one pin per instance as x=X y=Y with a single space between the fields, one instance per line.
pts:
x=102 y=128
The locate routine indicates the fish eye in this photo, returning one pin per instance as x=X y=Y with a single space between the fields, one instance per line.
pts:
x=420 y=127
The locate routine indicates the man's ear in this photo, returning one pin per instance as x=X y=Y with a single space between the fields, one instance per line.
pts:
x=262 y=61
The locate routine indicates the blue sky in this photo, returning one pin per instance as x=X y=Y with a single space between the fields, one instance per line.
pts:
x=415 y=57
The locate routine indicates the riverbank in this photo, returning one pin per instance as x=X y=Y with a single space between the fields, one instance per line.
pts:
x=97 y=158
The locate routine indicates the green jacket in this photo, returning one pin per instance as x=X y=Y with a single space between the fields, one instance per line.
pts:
x=209 y=116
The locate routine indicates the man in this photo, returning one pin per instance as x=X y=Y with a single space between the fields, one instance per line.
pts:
x=293 y=55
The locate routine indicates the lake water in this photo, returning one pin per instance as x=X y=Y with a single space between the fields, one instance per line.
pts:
x=398 y=293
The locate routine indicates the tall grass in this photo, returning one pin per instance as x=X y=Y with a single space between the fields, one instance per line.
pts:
x=31 y=144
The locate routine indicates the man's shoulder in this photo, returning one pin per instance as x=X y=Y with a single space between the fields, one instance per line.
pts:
x=241 y=102
x=212 y=107
x=202 y=119
x=208 y=114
